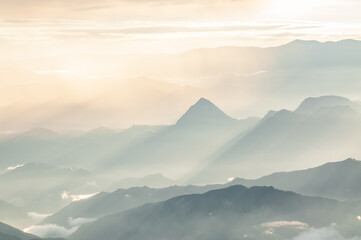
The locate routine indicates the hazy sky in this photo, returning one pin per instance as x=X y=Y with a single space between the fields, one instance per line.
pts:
x=51 y=51
x=43 y=27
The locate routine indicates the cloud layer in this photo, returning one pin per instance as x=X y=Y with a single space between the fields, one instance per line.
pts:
x=55 y=231
x=50 y=231
x=323 y=234
x=168 y=26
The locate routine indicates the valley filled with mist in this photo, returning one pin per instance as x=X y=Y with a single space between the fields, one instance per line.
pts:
x=180 y=120
x=285 y=175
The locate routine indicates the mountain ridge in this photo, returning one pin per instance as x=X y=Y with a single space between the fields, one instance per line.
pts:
x=317 y=181
x=217 y=214
x=291 y=139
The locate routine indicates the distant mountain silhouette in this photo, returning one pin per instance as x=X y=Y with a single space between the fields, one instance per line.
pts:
x=298 y=53
x=9 y=233
x=38 y=187
x=337 y=180
x=145 y=147
x=120 y=200
x=13 y=215
x=311 y=105
x=205 y=112
x=284 y=73
x=41 y=133
x=321 y=130
x=152 y=180
x=178 y=148
x=85 y=150
x=30 y=170
x=231 y=213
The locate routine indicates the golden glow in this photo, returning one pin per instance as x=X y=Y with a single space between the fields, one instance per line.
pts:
x=61 y=57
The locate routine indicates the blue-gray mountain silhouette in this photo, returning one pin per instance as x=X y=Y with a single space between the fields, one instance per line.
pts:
x=336 y=180
x=231 y=213
x=321 y=130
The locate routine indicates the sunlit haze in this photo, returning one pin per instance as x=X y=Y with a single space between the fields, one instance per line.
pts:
x=69 y=62
x=180 y=119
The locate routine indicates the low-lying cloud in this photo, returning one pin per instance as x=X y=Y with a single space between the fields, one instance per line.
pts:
x=56 y=231
x=74 y=198
x=278 y=224
x=80 y=221
x=272 y=226
x=323 y=234
x=50 y=230
x=15 y=167
x=38 y=216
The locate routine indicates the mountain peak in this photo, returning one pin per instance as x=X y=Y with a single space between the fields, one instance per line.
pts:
x=348 y=162
x=41 y=133
x=204 y=112
x=203 y=102
x=299 y=42
x=312 y=104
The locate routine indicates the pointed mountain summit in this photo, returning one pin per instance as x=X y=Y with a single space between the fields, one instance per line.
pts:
x=205 y=112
